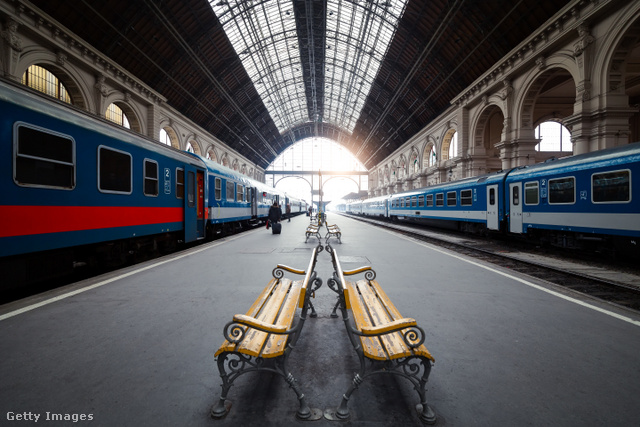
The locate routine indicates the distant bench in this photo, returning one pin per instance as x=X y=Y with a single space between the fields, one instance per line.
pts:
x=313 y=230
x=264 y=337
x=333 y=230
x=383 y=339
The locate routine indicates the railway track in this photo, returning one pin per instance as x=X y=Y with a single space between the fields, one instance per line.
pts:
x=616 y=292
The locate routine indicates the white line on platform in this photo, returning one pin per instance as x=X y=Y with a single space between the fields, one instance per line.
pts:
x=113 y=279
x=526 y=282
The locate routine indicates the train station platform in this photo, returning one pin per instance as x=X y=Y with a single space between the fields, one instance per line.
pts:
x=136 y=347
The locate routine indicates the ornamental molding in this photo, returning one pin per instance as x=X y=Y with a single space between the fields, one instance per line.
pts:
x=571 y=18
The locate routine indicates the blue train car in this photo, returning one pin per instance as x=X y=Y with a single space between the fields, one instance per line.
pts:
x=376 y=206
x=69 y=179
x=589 y=197
x=471 y=204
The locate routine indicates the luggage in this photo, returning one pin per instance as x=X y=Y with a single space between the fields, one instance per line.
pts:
x=276 y=228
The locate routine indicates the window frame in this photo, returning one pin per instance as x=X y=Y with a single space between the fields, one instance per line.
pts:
x=429 y=200
x=464 y=198
x=16 y=154
x=179 y=185
x=569 y=177
x=218 y=188
x=99 y=169
x=232 y=192
x=449 y=198
x=439 y=200
x=529 y=185
x=145 y=178
x=630 y=190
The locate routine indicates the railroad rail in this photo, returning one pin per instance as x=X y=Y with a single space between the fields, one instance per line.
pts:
x=622 y=294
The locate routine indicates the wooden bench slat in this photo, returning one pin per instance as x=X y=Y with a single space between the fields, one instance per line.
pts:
x=371 y=307
x=276 y=344
x=370 y=345
x=254 y=340
x=266 y=309
x=378 y=315
x=255 y=308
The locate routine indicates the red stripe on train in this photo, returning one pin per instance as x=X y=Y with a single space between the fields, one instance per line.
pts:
x=29 y=220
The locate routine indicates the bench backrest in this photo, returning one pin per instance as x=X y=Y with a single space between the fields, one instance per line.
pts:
x=339 y=274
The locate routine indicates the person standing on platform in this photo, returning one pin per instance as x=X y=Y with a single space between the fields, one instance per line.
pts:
x=288 y=210
x=275 y=213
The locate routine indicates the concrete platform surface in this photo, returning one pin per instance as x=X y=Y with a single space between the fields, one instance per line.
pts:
x=135 y=347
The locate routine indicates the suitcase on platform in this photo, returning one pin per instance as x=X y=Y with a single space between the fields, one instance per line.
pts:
x=276 y=228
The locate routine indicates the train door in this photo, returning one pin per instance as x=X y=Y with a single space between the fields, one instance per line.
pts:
x=492 y=207
x=194 y=205
x=253 y=200
x=515 y=207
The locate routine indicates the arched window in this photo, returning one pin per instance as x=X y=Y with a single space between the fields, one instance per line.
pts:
x=211 y=155
x=553 y=137
x=164 y=137
x=453 y=146
x=432 y=157
x=116 y=115
x=41 y=79
x=190 y=148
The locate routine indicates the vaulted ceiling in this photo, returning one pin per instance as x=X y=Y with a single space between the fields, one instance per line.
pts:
x=181 y=50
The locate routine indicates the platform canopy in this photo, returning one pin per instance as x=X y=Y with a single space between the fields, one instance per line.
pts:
x=262 y=74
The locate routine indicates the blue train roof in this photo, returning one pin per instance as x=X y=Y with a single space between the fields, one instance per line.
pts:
x=629 y=153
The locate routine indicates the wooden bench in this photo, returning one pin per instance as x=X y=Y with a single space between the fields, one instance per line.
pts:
x=263 y=338
x=383 y=340
x=313 y=230
x=333 y=230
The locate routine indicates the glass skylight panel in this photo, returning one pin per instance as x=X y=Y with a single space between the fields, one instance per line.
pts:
x=264 y=36
x=358 y=36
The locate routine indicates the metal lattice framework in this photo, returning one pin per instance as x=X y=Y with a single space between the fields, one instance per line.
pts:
x=262 y=74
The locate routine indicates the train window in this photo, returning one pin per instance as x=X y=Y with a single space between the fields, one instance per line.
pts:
x=515 y=195
x=114 y=171
x=43 y=158
x=218 y=190
x=610 y=187
x=402 y=203
x=230 y=190
x=531 y=193
x=440 y=199
x=191 y=189
x=466 y=198
x=492 y=196
x=562 y=190
x=421 y=201
x=240 y=190
x=451 y=198
x=150 y=178
x=414 y=202
x=407 y=202
x=179 y=183
x=429 y=200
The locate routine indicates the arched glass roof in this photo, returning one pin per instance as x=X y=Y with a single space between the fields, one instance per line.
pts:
x=313 y=154
x=350 y=49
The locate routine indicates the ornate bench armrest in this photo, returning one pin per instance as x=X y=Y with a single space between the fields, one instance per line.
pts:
x=234 y=331
x=287 y=268
x=394 y=326
x=413 y=337
x=369 y=275
x=243 y=319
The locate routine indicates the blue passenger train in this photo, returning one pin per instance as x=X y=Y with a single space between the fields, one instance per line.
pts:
x=587 y=201
x=74 y=188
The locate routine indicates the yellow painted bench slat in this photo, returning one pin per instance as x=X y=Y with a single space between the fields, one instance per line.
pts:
x=372 y=309
x=265 y=310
